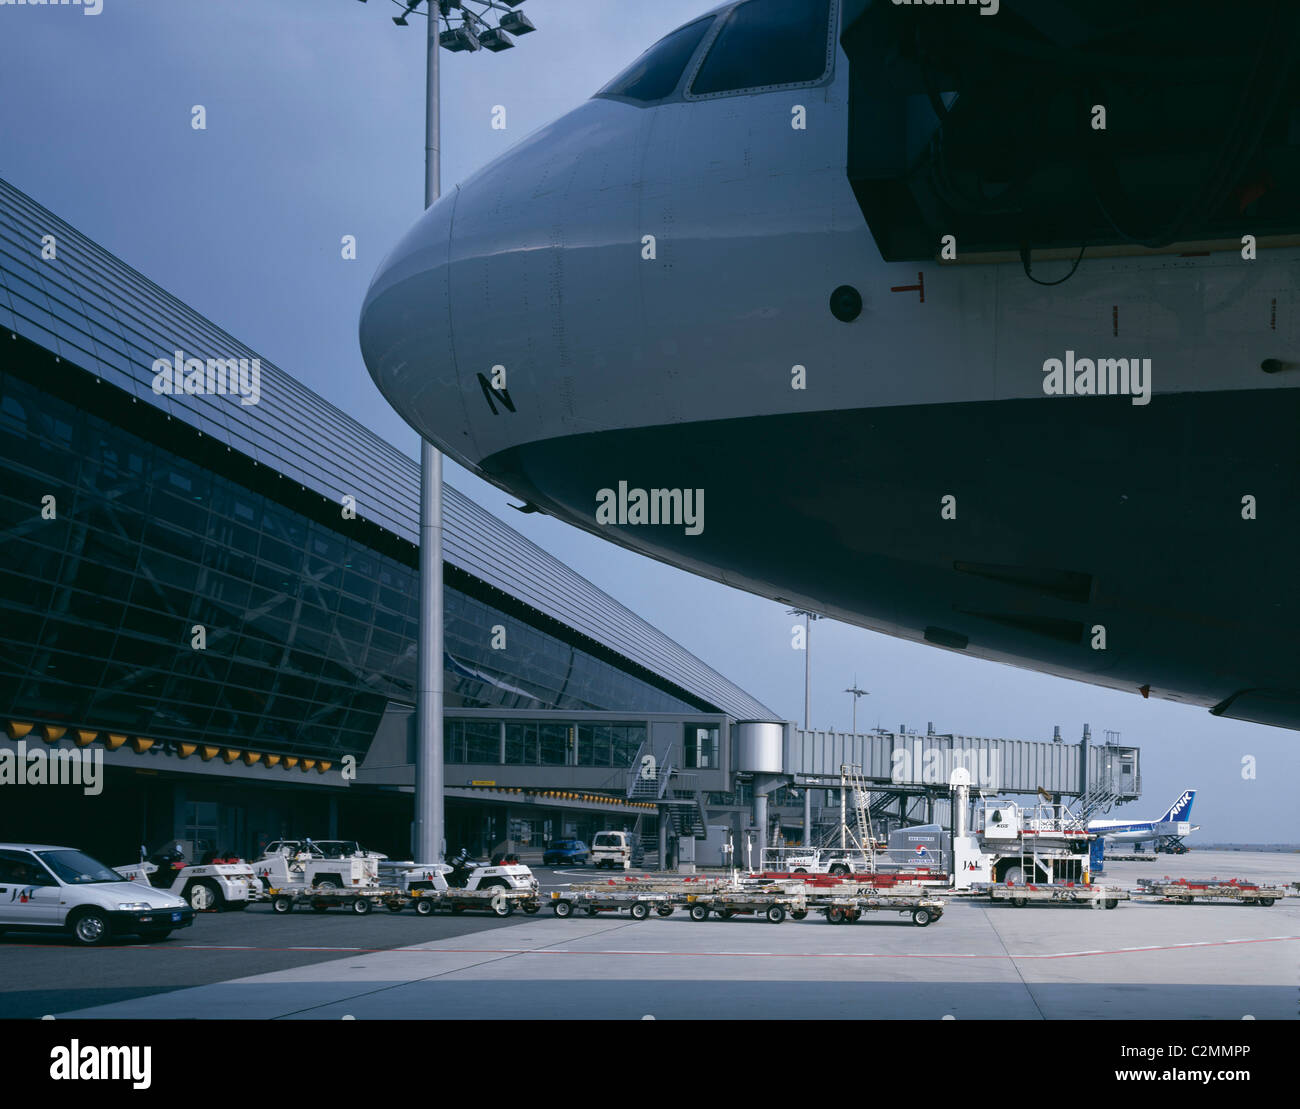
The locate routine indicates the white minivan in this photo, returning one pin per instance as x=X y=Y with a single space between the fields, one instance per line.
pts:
x=45 y=888
x=617 y=849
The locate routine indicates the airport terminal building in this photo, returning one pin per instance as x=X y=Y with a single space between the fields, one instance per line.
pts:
x=214 y=602
x=214 y=591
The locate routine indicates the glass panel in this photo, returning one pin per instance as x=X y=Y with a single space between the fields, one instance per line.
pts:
x=767 y=42
x=655 y=74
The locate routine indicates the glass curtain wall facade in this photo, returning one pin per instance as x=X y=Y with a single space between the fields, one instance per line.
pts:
x=308 y=633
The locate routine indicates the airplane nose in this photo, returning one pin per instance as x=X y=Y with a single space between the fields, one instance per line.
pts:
x=405 y=329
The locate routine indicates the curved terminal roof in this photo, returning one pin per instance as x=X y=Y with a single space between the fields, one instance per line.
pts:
x=93 y=310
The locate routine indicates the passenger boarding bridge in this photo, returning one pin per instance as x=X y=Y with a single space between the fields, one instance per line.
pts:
x=907 y=774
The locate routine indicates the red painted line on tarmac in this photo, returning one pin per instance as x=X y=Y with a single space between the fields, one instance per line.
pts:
x=769 y=954
x=692 y=954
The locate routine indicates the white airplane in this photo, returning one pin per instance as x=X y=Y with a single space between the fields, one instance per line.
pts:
x=1175 y=822
x=793 y=303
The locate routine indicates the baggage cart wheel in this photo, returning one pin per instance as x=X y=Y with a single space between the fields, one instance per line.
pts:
x=282 y=904
x=361 y=906
x=591 y=910
x=664 y=910
x=1112 y=902
x=423 y=906
x=640 y=910
x=394 y=906
x=775 y=914
x=835 y=914
x=532 y=908
x=699 y=912
x=562 y=908
x=798 y=914
x=726 y=914
x=921 y=917
x=1020 y=902
x=502 y=906
x=1266 y=900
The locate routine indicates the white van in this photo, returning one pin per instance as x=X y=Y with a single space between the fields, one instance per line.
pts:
x=45 y=888
x=615 y=849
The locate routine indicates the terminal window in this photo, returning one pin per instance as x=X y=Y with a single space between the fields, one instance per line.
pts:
x=700 y=748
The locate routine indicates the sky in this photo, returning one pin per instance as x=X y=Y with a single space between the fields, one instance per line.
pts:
x=315 y=130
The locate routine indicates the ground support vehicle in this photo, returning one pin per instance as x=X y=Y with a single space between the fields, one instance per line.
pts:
x=774 y=902
x=494 y=899
x=1183 y=891
x=620 y=850
x=307 y=864
x=221 y=884
x=1132 y=857
x=840 y=908
x=1055 y=893
x=463 y=873
x=358 y=900
x=499 y=902
x=639 y=904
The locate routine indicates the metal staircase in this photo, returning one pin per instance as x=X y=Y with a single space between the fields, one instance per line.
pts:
x=677 y=794
x=645 y=783
x=1100 y=798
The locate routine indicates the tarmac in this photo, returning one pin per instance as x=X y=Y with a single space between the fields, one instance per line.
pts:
x=981 y=960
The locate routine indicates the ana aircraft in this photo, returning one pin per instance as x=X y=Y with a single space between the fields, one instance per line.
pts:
x=1139 y=831
x=974 y=327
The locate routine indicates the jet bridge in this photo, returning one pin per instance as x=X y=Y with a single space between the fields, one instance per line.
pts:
x=907 y=773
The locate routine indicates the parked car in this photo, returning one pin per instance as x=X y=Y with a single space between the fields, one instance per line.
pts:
x=565 y=852
x=620 y=850
x=45 y=888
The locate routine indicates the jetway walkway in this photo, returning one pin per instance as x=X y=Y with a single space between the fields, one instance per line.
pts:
x=1104 y=774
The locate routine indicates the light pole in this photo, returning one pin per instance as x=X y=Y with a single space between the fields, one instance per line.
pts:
x=809 y=617
x=472 y=35
x=856 y=694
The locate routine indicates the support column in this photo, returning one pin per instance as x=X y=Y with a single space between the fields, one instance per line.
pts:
x=807 y=817
x=663 y=837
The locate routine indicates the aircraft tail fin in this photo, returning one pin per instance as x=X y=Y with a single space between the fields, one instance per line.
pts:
x=1182 y=808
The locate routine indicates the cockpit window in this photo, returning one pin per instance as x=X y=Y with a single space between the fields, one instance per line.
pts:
x=655 y=74
x=765 y=43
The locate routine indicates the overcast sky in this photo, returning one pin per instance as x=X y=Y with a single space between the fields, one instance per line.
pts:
x=314 y=131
